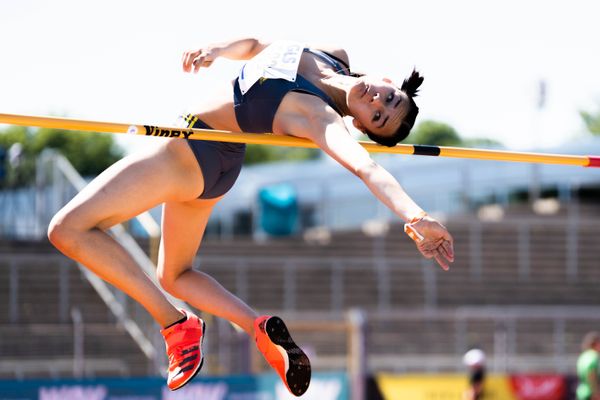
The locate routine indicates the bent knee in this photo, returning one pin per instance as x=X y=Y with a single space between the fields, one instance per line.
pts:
x=169 y=280
x=62 y=232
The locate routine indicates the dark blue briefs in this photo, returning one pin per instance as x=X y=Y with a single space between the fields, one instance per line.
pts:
x=220 y=162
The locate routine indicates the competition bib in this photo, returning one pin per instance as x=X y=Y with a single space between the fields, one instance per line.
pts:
x=278 y=61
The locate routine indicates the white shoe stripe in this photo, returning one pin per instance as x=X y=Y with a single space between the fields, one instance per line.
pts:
x=284 y=354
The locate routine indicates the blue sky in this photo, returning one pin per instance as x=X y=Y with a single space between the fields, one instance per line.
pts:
x=482 y=60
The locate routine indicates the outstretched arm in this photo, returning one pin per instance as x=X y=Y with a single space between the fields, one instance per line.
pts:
x=242 y=49
x=331 y=135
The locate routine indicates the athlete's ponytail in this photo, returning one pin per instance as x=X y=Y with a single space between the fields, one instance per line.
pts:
x=410 y=86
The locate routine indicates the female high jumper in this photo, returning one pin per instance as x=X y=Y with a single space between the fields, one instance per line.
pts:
x=285 y=88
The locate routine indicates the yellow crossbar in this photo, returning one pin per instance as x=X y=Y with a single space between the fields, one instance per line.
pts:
x=290 y=141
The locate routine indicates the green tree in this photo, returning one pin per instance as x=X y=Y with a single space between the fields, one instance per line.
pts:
x=481 y=142
x=90 y=153
x=435 y=134
x=592 y=121
x=256 y=154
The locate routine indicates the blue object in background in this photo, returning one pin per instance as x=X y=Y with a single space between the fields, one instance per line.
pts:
x=278 y=209
x=2 y=163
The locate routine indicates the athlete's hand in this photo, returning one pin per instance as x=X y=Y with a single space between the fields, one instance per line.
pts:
x=433 y=240
x=203 y=57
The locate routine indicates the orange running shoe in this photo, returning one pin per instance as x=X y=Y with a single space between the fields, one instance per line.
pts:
x=184 y=348
x=280 y=351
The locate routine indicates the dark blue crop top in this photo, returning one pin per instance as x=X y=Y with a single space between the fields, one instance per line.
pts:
x=256 y=109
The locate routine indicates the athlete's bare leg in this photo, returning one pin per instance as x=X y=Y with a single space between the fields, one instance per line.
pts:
x=134 y=184
x=183 y=226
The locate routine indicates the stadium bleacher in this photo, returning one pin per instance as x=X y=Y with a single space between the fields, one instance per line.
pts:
x=527 y=299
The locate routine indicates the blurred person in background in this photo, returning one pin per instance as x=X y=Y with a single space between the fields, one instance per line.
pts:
x=587 y=368
x=474 y=359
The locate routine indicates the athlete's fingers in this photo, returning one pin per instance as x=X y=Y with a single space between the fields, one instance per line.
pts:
x=185 y=61
x=448 y=238
x=204 y=60
x=442 y=254
x=426 y=253
x=448 y=250
x=425 y=247
x=440 y=260
x=188 y=60
x=197 y=63
x=431 y=245
x=437 y=255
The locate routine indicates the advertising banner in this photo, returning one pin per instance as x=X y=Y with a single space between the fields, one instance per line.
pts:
x=324 y=386
x=440 y=387
x=539 y=387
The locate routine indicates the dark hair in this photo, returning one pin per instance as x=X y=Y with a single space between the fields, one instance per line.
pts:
x=410 y=86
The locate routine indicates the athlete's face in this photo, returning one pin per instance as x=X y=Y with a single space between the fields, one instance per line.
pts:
x=377 y=105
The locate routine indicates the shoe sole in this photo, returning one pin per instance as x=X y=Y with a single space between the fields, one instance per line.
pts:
x=298 y=374
x=201 y=360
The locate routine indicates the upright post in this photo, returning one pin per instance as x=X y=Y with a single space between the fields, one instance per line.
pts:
x=357 y=363
x=78 y=335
